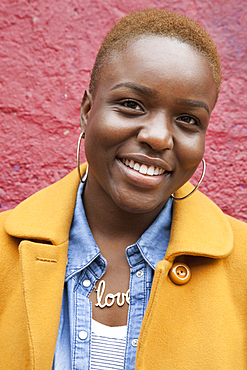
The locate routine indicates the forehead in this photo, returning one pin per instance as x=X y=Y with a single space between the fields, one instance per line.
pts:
x=153 y=60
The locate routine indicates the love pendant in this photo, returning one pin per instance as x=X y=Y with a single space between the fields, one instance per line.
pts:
x=110 y=298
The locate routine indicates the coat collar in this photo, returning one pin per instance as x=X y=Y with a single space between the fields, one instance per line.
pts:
x=46 y=215
x=199 y=227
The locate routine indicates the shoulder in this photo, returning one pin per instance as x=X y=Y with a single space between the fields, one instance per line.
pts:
x=239 y=230
x=9 y=254
x=238 y=226
x=47 y=214
x=3 y=216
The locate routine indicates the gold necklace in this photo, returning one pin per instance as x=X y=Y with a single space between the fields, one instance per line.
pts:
x=100 y=292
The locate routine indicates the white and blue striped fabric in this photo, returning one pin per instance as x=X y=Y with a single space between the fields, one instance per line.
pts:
x=107 y=346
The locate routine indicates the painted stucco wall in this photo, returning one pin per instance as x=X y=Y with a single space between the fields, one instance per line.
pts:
x=47 y=50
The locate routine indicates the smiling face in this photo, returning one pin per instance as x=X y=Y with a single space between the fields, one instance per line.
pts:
x=145 y=128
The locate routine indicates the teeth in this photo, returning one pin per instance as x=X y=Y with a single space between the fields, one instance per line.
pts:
x=151 y=171
x=131 y=163
x=137 y=166
x=143 y=168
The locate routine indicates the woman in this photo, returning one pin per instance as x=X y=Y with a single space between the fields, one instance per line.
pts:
x=78 y=262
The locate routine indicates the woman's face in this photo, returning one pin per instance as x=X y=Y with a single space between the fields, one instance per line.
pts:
x=145 y=128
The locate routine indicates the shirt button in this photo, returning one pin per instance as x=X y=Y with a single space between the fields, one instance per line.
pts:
x=139 y=273
x=86 y=283
x=83 y=335
x=134 y=342
x=180 y=273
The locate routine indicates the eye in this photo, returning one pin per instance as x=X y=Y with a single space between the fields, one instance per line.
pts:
x=132 y=104
x=188 y=120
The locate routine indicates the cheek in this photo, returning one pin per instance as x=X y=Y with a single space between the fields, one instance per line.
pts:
x=95 y=137
x=101 y=136
x=191 y=151
x=106 y=130
x=96 y=131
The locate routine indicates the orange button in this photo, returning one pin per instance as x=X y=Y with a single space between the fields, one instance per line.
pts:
x=180 y=273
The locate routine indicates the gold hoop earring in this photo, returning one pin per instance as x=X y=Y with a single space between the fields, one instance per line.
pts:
x=84 y=178
x=198 y=184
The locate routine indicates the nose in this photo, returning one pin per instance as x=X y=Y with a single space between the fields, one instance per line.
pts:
x=157 y=133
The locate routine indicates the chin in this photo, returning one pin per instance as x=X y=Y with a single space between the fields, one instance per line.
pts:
x=140 y=207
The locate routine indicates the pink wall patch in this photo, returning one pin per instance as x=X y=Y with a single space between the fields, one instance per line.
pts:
x=47 y=53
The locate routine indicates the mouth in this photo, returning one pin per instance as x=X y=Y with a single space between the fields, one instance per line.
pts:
x=143 y=168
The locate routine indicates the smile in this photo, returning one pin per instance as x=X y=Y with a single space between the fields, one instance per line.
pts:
x=143 y=168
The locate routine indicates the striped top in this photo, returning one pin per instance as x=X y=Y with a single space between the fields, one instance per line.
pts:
x=107 y=346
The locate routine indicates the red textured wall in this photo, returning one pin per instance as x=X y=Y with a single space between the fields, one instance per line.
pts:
x=47 y=50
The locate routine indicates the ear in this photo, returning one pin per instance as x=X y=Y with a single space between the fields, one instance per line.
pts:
x=86 y=105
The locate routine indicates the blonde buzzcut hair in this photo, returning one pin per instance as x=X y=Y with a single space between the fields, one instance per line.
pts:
x=156 y=22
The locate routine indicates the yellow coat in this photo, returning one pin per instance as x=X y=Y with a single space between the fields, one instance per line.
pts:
x=199 y=325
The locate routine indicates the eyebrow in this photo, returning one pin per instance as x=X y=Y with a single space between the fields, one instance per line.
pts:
x=193 y=103
x=139 y=88
x=154 y=94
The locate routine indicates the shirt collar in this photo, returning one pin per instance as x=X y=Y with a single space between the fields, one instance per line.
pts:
x=154 y=241
x=83 y=249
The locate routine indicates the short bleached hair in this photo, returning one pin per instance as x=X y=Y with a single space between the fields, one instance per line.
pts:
x=156 y=22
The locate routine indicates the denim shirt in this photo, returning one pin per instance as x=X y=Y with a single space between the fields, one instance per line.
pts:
x=85 y=267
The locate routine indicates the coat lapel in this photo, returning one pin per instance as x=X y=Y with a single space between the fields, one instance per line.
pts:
x=46 y=215
x=43 y=270
x=199 y=227
x=43 y=222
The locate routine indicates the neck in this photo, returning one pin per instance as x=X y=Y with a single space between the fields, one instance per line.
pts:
x=111 y=225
